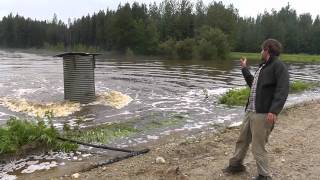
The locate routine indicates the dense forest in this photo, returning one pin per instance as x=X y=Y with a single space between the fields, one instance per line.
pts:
x=173 y=28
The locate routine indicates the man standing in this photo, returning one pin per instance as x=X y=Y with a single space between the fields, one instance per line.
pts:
x=269 y=91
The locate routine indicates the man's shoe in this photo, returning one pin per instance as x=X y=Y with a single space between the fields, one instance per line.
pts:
x=260 y=177
x=234 y=169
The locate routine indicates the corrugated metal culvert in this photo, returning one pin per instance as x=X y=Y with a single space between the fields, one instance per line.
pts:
x=78 y=72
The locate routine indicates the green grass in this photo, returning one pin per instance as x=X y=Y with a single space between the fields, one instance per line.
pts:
x=285 y=57
x=239 y=96
x=299 y=86
x=235 y=97
x=106 y=133
x=18 y=133
x=102 y=134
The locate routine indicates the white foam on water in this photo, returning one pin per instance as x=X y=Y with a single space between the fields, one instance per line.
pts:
x=123 y=113
x=235 y=124
x=192 y=125
x=5 y=176
x=31 y=163
x=37 y=167
x=60 y=89
x=155 y=104
x=86 y=155
x=114 y=99
x=218 y=91
x=3 y=114
x=36 y=109
x=21 y=92
x=294 y=99
x=195 y=100
x=152 y=137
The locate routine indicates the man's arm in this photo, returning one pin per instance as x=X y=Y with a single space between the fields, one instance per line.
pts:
x=282 y=88
x=247 y=76
x=245 y=71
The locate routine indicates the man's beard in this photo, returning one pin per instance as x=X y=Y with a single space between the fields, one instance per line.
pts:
x=263 y=59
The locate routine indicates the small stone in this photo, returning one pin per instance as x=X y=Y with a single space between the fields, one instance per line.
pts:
x=104 y=168
x=283 y=160
x=160 y=160
x=225 y=153
x=75 y=176
x=210 y=158
x=174 y=170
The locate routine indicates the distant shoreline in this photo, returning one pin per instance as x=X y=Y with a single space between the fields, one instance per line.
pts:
x=303 y=58
x=294 y=58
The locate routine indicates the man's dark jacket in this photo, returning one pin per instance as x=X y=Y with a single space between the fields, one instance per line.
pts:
x=272 y=86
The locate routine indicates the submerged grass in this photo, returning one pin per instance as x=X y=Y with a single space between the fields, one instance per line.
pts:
x=305 y=58
x=239 y=96
x=106 y=133
x=299 y=86
x=19 y=134
x=102 y=134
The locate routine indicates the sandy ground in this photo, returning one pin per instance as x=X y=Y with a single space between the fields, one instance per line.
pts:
x=294 y=153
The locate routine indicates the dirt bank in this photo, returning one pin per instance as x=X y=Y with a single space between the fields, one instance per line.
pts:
x=294 y=151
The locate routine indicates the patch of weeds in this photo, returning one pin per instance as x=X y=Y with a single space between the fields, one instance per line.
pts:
x=239 y=96
x=18 y=133
x=235 y=97
x=299 y=86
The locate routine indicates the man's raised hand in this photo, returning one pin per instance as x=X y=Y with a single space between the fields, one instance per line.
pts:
x=243 y=62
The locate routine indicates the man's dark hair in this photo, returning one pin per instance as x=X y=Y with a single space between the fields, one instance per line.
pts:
x=273 y=46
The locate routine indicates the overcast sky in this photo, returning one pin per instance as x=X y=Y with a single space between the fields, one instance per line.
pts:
x=44 y=9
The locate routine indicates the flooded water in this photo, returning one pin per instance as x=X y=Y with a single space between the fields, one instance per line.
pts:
x=157 y=89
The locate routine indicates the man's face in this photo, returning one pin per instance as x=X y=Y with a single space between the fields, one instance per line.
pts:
x=264 y=54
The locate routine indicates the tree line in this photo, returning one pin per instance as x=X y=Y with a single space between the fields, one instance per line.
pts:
x=172 y=28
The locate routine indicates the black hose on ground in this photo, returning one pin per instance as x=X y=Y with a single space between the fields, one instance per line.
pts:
x=109 y=161
x=97 y=146
x=116 y=159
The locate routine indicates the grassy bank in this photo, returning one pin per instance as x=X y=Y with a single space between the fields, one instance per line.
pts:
x=285 y=57
x=239 y=96
x=19 y=135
